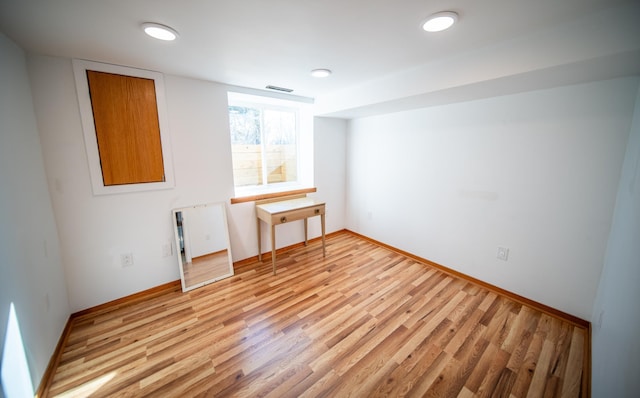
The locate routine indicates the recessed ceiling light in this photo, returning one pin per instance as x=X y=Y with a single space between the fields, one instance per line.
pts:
x=440 y=21
x=160 y=32
x=320 y=72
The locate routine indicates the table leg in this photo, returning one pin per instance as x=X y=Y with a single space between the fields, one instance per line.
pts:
x=305 y=231
x=324 y=251
x=259 y=241
x=273 y=247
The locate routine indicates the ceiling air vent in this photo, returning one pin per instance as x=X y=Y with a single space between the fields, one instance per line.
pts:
x=286 y=90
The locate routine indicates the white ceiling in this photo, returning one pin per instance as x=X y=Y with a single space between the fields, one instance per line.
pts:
x=381 y=59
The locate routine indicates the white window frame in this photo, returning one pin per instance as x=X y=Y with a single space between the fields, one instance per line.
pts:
x=80 y=68
x=304 y=143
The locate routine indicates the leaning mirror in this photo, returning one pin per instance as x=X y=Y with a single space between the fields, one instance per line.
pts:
x=202 y=239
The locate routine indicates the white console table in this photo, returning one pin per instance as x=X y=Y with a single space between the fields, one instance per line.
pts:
x=283 y=211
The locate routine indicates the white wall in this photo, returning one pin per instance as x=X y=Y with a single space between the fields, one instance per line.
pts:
x=330 y=158
x=31 y=274
x=535 y=172
x=96 y=230
x=616 y=318
x=202 y=226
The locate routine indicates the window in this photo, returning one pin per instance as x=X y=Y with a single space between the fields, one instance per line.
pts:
x=271 y=144
x=125 y=127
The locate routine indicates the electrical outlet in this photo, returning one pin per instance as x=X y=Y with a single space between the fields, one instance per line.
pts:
x=126 y=259
x=503 y=253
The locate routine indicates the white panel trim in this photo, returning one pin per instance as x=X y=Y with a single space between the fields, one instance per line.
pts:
x=80 y=68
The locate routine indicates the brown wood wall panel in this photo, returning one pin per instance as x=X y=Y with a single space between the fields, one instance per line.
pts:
x=125 y=114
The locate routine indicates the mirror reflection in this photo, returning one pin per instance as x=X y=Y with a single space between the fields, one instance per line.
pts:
x=202 y=239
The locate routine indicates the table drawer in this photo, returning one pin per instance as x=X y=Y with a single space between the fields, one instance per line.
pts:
x=297 y=214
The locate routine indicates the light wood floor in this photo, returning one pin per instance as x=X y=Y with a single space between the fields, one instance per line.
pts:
x=206 y=268
x=364 y=321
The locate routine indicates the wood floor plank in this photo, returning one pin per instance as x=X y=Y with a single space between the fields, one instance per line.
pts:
x=493 y=374
x=481 y=370
x=364 y=321
x=572 y=378
x=432 y=376
x=360 y=378
x=540 y=376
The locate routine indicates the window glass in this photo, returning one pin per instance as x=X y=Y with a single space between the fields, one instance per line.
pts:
x=246 y=145
x=280 y=150
x=266 y=143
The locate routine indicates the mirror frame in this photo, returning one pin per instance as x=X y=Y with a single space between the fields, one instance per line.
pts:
x=223 y=209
